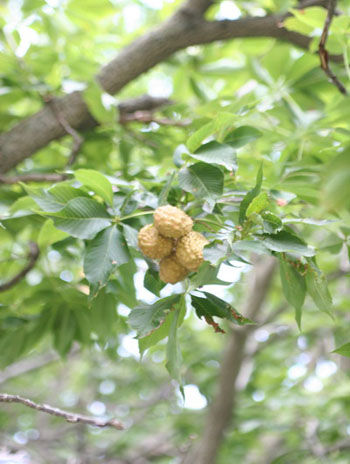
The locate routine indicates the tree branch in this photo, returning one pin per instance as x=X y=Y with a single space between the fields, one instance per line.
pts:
x=183 y=29
x=142 y=103
x=77 y=138
x=323 y=53
x=69 y=417
x=33 y=255
x=221 y=410
x=33 y=177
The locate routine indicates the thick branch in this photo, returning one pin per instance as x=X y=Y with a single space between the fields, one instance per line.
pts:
x=33 y=255
x=69 y=417
x=33 y=177
x=182 y=30
x=221 y=410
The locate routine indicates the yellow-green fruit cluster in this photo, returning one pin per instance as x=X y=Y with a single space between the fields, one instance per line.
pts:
x=171 y=240
x=189 y=250
x=152 y=244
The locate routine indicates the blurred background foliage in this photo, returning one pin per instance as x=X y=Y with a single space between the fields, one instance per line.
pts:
x=293 y=391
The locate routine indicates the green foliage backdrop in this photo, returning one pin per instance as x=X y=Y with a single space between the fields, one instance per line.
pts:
x=254 y=146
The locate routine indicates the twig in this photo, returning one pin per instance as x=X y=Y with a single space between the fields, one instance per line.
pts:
x=33 y=255
x=33 y=177
x=142 y=103
x=77 y=138
x=147 y=117
x=324 y=57
x=69 y=417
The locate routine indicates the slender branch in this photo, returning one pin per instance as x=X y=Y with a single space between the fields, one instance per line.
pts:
x=33 y=255
x=77 y=138
x=33 y=177
x=69 y=417
x=184 y=28
x=323 y=53
x=142 y=103
x=147 y=116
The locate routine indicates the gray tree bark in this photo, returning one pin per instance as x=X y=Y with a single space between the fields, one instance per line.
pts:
x=222 y=407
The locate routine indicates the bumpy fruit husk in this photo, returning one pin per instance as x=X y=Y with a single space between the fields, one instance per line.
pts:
x=152 y=244
x=171 y=271
x=172 y=222
x=189 y=250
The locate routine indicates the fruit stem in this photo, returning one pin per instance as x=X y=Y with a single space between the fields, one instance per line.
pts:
x=136 y=215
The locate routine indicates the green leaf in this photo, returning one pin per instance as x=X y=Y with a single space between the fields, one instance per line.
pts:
x=271 y=223
x=197 y=137
x=173 y=352
x=317 y=288
x=215 y=252
x=104 y=253
x=250 y=246
x=25 y=203
x=216 y=153
x=250 y=195
x=97 y=182
x=241 y=136
x=63 y=193
x=103 y=314
x=203 y=181
x=130 y=235
x=93 y=98
x=147 y=318
x=82 y=218
x=64 y=331
x=259 y=203
x=49 y=234
x=344 y=350
x=211 y=306
x=163 y=196
x=152 y=282
x=294 y=287
x=314 y=16
x=336 y=190
x=163 y=331
x=206 y=275
x=157 y=335
x=284 y=242
x=55 y=198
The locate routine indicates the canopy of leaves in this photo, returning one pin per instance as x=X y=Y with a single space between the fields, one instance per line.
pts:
x=254 y=146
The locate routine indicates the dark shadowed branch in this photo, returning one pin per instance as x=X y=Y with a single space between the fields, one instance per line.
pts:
x=33 y=255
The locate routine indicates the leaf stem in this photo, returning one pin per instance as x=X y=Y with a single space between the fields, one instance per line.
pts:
x=211 y=222
x=130 y=216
